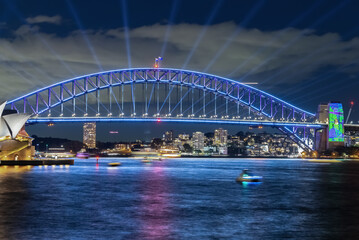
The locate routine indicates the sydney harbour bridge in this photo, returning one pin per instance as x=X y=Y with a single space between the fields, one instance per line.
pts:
x=168 y=95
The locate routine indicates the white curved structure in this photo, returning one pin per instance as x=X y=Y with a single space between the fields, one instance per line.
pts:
x=11 y=124
x=14 y=146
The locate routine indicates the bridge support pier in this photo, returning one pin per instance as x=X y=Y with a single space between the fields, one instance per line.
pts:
x=332 y=136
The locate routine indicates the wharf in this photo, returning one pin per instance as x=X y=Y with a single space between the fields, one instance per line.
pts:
x=37 y=162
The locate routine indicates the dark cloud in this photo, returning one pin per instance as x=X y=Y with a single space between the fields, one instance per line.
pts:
x=43 y=58
x=44 y=19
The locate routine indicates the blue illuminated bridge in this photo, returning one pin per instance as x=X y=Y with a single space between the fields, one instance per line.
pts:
x=166 y=95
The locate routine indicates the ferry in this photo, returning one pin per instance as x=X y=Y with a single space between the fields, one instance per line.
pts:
x=124 y=152
x=169 y=153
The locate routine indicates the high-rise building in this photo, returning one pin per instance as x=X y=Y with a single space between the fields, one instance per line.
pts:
x=183 y=137
x=198 y=141
x=89 y=134
x=168 y=137
x=220 y=137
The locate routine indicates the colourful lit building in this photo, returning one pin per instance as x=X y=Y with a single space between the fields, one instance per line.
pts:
x=89 y=134
x=333 y=136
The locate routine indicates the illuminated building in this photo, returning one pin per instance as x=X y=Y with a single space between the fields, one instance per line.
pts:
x=89 y=134
x=183 y=137
x=220 y=137
x=168 y=137
x=333 y=136
x=15 y=143
x=335 y=125
x=198 y=141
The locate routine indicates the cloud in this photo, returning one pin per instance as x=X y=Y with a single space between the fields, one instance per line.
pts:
x=44 y=19
x=33 y=59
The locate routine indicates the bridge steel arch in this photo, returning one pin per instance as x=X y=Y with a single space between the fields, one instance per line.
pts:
x=259 y=104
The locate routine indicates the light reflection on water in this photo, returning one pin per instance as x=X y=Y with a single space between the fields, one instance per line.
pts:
x=180 y=199
x=155 y=210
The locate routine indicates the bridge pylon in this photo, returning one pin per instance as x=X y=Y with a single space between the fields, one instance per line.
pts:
x=332 y=135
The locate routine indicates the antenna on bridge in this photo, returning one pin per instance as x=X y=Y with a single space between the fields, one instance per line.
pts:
x=350 y=111
x=157 y=61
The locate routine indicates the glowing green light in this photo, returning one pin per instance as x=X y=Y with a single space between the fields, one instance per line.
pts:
x=336 y=121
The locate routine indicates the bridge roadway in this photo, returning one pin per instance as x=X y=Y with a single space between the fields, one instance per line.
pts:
x=348 y=127
x=178 y=120
x=351 y=127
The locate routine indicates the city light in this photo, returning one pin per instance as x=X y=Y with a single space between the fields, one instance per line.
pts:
x=248 y=130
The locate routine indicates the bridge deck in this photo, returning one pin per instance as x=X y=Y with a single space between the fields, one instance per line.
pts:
x=177 y=120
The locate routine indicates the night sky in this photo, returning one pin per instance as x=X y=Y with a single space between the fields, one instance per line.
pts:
x=305 y=52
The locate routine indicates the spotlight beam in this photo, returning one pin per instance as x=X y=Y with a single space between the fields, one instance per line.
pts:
x=295 y=39
x=293 y=23
x=330 y=85
x=189 y=89
x=43 y=41
x=149 y=101
x=203 y=32
x=319 y=50
x=168 y=95
x=243 y=24
x=126 y=31
x=83 y=33
x=168 y=28
x=205 y=106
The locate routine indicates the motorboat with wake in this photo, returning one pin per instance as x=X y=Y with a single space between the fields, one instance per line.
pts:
x=246 y=177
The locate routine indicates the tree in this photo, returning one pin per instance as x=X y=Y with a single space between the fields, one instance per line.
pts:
x=240 y=134
x=187 y=148
x=156 y=143
x=233 y=149
x=209 y=135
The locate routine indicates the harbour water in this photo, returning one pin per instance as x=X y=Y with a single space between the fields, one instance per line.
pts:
x=180 y=199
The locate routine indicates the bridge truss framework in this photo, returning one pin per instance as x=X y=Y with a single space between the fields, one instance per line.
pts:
x=148 y=94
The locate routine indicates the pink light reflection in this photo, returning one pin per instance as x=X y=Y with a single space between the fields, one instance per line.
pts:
x=155 y=210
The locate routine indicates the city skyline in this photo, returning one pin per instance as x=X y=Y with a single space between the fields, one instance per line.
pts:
x=300 y=39
x=179 y=119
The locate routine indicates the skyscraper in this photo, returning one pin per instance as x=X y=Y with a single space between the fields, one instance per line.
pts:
x=220 y=137
x=168 y=137
x=198 y=141
x=89 y=134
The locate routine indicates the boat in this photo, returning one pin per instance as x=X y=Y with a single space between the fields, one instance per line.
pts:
x=324 y=160
x=249 y=179
x=83 y=155
x=157 y=158
x=169 y=153
x=124 y=152
x=246 y=177
x=114 y=164
x=146 y=160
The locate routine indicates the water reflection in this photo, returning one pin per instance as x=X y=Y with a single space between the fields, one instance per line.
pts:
x=13 y=195
x=155 y=209
x=180 y=199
